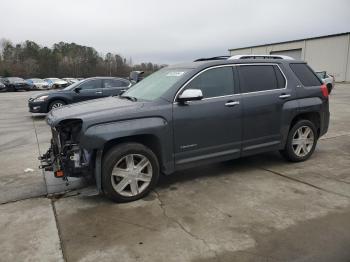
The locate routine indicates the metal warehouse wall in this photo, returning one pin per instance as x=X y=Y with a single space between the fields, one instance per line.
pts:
x=328 y=53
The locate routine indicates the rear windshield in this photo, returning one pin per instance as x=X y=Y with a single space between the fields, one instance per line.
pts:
x=305 y=74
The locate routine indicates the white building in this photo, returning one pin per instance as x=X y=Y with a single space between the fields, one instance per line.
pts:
x=324 y=53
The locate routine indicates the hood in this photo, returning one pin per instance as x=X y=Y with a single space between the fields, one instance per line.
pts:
x=51 y=92
x=94 y=111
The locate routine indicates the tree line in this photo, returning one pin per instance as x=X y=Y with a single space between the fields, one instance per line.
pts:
x=28 y=60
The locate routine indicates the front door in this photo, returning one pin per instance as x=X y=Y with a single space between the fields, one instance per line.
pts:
x=89 y=89
x=210 y=128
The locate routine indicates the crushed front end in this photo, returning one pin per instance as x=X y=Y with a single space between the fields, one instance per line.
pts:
x=65 y=157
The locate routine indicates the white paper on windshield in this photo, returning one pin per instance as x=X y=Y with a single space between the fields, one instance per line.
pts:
x=175 y=73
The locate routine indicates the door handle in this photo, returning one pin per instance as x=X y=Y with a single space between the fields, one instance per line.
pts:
x=283 y=96
x=232 y=103
x=98 y=92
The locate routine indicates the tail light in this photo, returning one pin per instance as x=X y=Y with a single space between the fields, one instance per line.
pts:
x=324 y=90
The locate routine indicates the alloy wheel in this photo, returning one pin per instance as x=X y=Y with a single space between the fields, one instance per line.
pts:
x=303 y=141
x=131 y=175
x=56 y=105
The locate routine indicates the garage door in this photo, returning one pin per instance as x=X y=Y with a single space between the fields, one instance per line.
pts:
x=295 y=53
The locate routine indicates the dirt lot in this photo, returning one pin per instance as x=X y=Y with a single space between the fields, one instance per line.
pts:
x=259 y=208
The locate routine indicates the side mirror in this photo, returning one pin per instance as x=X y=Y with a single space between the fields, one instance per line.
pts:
x=190 y=95
x=77 y=90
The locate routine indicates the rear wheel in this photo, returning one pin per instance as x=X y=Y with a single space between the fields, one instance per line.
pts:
x=56 y=104
x=129 y=172
x=301 y=141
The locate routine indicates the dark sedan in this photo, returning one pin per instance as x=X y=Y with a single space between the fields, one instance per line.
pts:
x=15 y=83
x=89 y=88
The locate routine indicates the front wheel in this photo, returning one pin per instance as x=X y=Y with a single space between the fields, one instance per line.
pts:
x=56 y=104
x=129 y=172
x=301 y=141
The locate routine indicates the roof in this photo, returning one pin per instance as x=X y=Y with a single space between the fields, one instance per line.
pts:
x=209 y=63
x=290 y=41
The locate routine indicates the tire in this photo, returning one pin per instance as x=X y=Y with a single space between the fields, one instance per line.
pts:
x=121 y=187
x=55 y=104
x=297 y=143
x=11 y=89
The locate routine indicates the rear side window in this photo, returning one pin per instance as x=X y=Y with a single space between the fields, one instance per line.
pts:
x=305 y=75
x=214 y=82
x=255 y=78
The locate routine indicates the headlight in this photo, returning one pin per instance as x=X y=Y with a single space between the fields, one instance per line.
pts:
x=40 y=98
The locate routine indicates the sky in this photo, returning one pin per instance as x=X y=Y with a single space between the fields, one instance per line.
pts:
x=164 y=31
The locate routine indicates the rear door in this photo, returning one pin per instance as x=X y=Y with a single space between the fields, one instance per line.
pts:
x=112 y=87
x=264 y=92
x=89 y=89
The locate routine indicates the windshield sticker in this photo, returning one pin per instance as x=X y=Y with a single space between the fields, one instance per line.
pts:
x=175 y=73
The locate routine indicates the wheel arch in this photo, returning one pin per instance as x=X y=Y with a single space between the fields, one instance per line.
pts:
x=55 y=99
x=314 y=117
x=149 y=140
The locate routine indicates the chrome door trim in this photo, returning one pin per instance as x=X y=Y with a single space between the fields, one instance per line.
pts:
x=232 y=65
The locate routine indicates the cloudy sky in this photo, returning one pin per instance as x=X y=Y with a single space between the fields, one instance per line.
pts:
x=165 y=31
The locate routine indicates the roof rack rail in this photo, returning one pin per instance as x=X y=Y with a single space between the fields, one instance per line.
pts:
x=223 y=57
x=252 y=56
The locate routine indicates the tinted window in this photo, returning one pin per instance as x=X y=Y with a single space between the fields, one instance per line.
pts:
x=108 y=83
x=255 y=78
x=90 y=84
x=214 y=82
x=305 y=75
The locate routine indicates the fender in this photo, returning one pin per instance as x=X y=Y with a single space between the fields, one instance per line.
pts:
x=297 y=107
x=102 y=133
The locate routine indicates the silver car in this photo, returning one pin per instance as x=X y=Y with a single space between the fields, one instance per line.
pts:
x=37 y=83
x=329 y=80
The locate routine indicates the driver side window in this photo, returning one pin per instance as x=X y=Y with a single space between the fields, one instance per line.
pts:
x=91 y=84
x=214 y=82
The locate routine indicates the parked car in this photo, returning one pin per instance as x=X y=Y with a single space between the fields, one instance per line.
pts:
x=2 y=86
x=37 y=83
x=70 y=80
x=14 y=84
x=329 y=80
x=189 y=115
x=90 y=88
x=136 y=76
x=56 y=83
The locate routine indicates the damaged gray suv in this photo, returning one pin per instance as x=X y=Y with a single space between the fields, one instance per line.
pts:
x=187 y=115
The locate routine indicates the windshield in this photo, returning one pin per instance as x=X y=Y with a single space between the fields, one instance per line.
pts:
x=155 y=85
x=321 y=75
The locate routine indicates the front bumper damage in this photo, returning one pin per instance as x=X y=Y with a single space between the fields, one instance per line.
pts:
x=66 y=158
